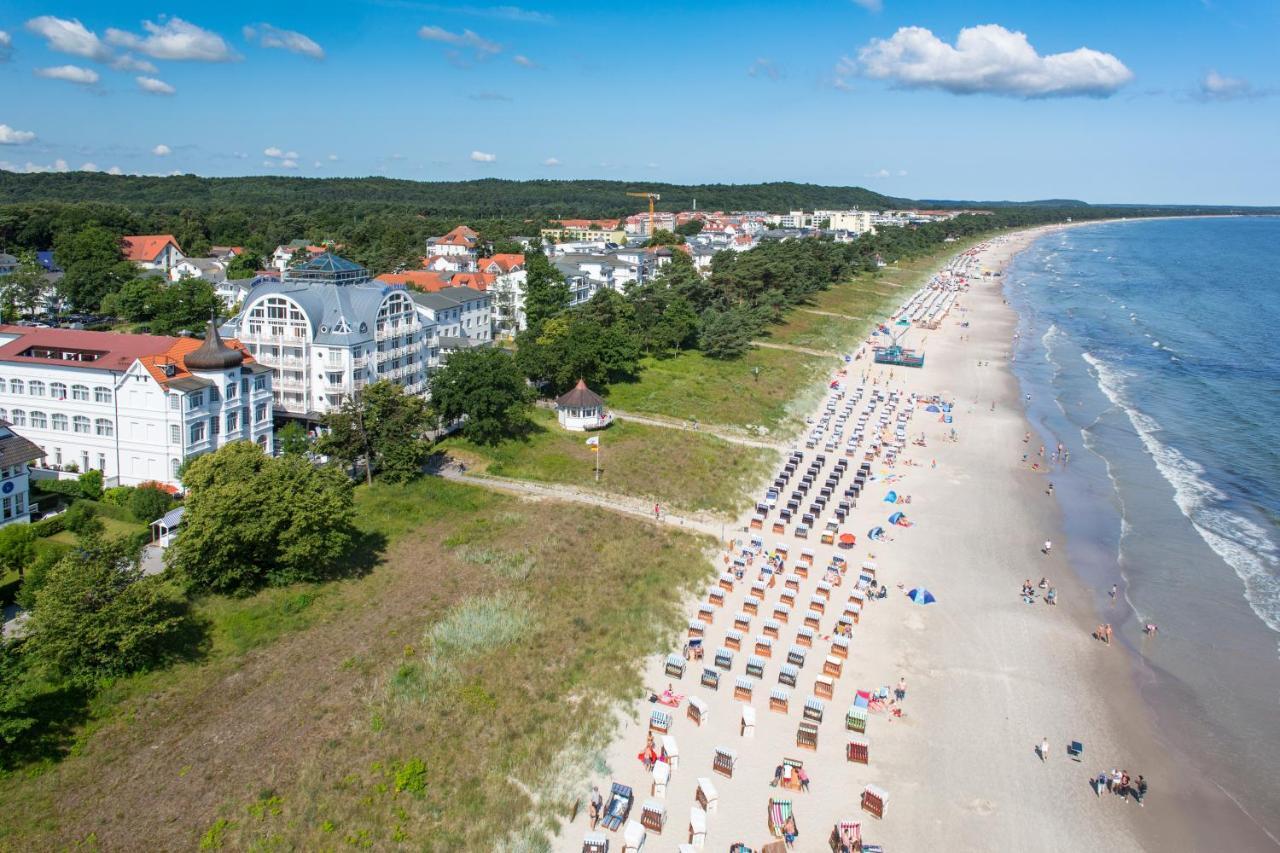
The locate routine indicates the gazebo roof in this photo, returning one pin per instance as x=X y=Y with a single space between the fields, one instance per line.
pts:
x=581 y=397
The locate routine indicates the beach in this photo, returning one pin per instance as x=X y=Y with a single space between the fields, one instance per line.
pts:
x=988 y=676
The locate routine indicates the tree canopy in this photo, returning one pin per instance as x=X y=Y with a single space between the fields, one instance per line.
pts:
x=382 y=425
x=485 y=387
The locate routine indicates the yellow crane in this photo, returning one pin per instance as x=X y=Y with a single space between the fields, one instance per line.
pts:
x=652 y=198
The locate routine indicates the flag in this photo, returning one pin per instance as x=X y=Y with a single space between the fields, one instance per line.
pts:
x=594 y=441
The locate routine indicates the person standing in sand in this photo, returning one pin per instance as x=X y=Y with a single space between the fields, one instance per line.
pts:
x=1048 y=546
x=1043 y=749
x=900 y=692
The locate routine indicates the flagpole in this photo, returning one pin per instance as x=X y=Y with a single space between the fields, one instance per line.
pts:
x=598 y=459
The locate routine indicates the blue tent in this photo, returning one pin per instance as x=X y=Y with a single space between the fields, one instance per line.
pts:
x=891 y=498
x=875 y=533
x=932 y=408
x=920 y=595
x=895 y=518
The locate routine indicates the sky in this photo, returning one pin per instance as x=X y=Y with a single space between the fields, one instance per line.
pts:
x=1141 y=101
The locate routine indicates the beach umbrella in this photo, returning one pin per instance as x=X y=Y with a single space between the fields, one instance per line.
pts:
x=891 y=498
x=896 y=517
x=932 y=408
x=848 y=540
x=920 y=595
x=875 y=533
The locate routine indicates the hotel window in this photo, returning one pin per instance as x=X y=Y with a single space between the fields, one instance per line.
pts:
x=19 y=417
x=59 y=422
x=35 y=388
x=79 y=392
x=101 y=394
x=57 y=456
x=58 y=390
x=260 y=414
x=175 y=401
x=8 y=508
x=213 y=395
x=197 y=432
x=195 y=401
x=102 y=461
x=38 y=420
x=244 y=385
x=213 y=426
x=174 y=465
x=103 y=426
x=175 y=434
x=80 y=424
x=230 y=391
x=233 y=421
x=4 y=414
x=20 y=501
x=15 y=386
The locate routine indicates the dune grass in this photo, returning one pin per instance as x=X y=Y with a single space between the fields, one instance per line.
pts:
x=449 y=699
x=684 y=470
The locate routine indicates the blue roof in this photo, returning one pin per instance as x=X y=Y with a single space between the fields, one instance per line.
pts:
x=329 y=262
x=45 y=260
x=172 y=517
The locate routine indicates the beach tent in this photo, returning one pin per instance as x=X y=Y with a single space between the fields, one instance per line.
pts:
x=920 y=595
x=932 y=408
x=899 y=519
x=904 y=322
x=875 y=533
x=891 y=498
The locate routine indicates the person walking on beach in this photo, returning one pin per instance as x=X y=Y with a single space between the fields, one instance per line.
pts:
x=900 y=692
x=594 y=807
x=1114 y=589
x=1106 y=633
x=1100 y=783
x=1048 y=546
x=1043 y=750
x=1140 y=790
x=657 y=512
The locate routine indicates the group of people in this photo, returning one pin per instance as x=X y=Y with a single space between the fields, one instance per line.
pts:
x=801 y=777
x=1119 y=782
x=1029 y=592
x=1104 y=633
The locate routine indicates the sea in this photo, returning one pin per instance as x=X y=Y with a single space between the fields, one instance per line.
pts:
x=1150 y=350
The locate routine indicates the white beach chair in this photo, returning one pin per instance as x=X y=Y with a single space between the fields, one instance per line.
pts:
x=706 y=795
x=673 y=751
x=633 y=837
x=661 y=776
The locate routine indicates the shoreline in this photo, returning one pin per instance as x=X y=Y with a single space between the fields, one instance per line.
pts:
x=988 y=675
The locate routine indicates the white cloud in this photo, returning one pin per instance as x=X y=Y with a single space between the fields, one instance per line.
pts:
x=129 y=62
x=273 y=152
x=902 y=173
x=9 y=136
x=154 y=86
x=333 y=158
x=878 y=173
x=483 y=157
x=69 y=36
x=870 y=5
x=6 y=46
x=524 y=61
x=551 y=162
x=482 y=46
x=294 y=42
x=316 y=165
x=503 y=13
x=58 y=166
x=288 y=164
x=115 y=170
x=174 y=38
x=988 y=59
x=764 y=68
x=70 y=73
x=89 y=167
x=1218 y=87
x=162 y=150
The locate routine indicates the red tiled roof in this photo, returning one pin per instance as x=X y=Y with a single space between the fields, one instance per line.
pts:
x=504 y=261
x=118 y=352
x=145 y=247
x=460 y=236
x=477 y=280
x=176 y=355
x=425 y=280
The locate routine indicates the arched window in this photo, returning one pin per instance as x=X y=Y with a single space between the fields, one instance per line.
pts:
x=58 y=390
x=59 y=422
x=39 y=420
x=19 y=417
x=4 y=414
x=15 y=386
x=103 y=426
x=101 y=394
x=80 y=423
x=35 y=388
x=80 y=392
x=174 y=465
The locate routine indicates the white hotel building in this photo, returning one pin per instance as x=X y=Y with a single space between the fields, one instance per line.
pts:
x=326 y=330
x=132 y=406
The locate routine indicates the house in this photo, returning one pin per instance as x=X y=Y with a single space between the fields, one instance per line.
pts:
x=459 y=313
x=16 y=456
x=605 y=230
x=582 y=409
x=508 y=289
x=449 y=263
x=135 y=407
x=326 y=329
x=209 y=269
x=460 y=241
x=152 y=251
x=225 y=253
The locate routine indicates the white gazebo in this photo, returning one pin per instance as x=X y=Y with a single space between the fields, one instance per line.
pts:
x=582 y=409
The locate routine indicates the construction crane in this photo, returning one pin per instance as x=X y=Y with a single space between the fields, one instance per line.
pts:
x=652 y=198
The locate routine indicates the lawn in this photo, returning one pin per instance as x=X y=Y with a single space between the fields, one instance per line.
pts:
x=448 y=699
x=111 y=528
x=712 y=391
x=684 y=470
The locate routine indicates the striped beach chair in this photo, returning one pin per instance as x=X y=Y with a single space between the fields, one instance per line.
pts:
x=796 y=655
x=772 y=628
x=840 y=647
x=723 y=763
x=782 y=610
x=814 y=709
x=804 y=637
x=748 y=722
x=675 y=665
x=698 y=711
x=764 y=646
x=779 y=697
x=659 y=721
x=789 y=674
x=742 y=621
x=742 y=687
x=755 y=666
x=724 y=659
x=733 y=640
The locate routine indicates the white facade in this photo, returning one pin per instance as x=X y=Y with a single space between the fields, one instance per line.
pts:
x=508 y=300
x=15 y=477
x=853 y=221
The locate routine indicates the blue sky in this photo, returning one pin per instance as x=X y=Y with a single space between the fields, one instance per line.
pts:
x=1169 y=101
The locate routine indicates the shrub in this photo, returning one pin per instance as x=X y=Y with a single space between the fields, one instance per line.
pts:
x=49 y=526
x=90 y=483
x=118 y=496
x=411 y=776
x=82 y=519
x=481 y=624
x=147 y=503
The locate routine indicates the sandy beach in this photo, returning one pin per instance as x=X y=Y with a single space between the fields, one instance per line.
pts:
x=988 y=675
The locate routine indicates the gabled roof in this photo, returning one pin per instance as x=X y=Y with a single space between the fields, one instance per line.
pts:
x=460 y=236
x=110 y=351
x=16 y=450
x=425 y=280
x=146 y=247
x=474 y=280
x=581 y=397
x=506 y=262
x=176 y=355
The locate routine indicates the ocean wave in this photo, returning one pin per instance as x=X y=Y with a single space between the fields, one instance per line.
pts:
x=1241 y=543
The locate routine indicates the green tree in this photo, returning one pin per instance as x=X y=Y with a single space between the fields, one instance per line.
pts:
x=384 y=426
x=244 y=265
x=21 y=289
x=690 y=228
x=545 y=293
x=252 y=519
x=92 y=264
x=17 y=548
x=727 y=334
x=149 y=502
x=137 y=300
x=97 y=615
x=293 y=439
x=663 y=237
x=485 y=387
x=17 y=716
x=90 y=483
x=679 y=327
x=184 y=305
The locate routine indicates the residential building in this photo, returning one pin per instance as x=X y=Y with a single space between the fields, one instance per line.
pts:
x=16 y=455
x=152 y=251
x=209 y=269
x=326 y=330
x=508 y=290
x=463 y=316
x=569 y=230
x=461 y=241
x=852 y=221
x=132 y=406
